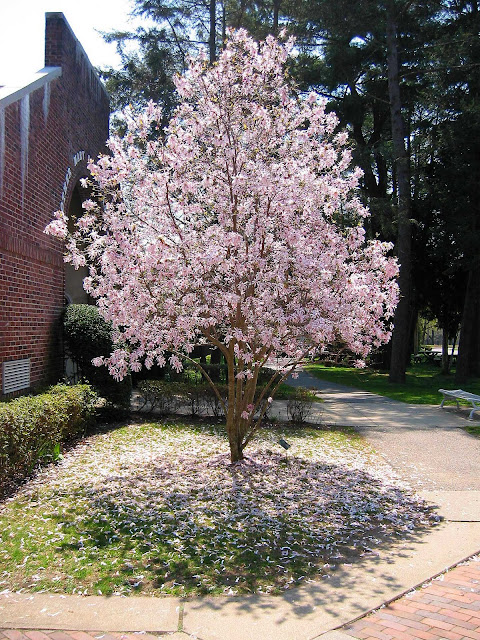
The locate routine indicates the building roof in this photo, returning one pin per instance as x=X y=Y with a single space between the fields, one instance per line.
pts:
x=25 y=85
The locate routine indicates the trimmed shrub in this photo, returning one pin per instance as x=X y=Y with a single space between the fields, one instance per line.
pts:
x=88 y=336
x=32 y=428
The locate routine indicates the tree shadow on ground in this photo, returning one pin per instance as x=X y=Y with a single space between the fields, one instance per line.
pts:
x=189 y=525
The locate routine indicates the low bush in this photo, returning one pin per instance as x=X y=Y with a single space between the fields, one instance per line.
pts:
x=32 y=428
x=166 y=397
x=159 y=396
x=299 y=405
x=201 y=397
x=213 y=404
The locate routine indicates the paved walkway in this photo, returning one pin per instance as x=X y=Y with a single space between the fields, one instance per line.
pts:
x=426 y=446
x=448 y=607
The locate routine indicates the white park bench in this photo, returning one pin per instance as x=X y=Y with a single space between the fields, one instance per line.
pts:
x=459 y=394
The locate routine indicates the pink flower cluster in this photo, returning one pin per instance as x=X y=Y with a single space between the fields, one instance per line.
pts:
x=239 y=226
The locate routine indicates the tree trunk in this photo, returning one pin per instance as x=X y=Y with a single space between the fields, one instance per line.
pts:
x=215 y=359
x=213 y=27
x=236 y=451
x=454 y=344
x=276 y=11
x=403 y=314
x=445 y=358
x=468 y=361
x=224 y=25
x=235 y=436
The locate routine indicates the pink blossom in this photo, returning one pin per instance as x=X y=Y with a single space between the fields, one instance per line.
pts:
x=58 y=227
x=88 y=205
x=224 y=232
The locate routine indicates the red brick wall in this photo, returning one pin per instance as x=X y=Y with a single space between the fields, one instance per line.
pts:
x=31 y=265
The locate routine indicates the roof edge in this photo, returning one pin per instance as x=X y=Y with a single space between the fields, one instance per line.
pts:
x=11 y=94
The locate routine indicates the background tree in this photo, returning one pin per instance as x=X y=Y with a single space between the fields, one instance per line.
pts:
x=448 y=178
x=459 y=78
x=153 y=53
x=414 y=136
x=146 y=72
x=239 y=229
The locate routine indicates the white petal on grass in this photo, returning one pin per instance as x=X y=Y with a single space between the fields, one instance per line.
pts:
x=170 y=491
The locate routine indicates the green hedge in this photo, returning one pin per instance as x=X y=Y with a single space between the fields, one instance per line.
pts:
x=32 y=428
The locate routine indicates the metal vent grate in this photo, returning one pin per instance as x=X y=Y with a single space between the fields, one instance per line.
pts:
x=16 y=375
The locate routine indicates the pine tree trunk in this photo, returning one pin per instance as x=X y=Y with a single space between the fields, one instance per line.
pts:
x=445 y=357
x=276 y=11
x=403 y=314
x=212 y=35
x=468 y=361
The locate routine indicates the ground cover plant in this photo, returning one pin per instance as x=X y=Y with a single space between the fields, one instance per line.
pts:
x=156 y=508
x=473 y=429
x=421 y=387
x=237 y=227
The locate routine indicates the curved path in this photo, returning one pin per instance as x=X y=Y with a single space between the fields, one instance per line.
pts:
x=428 y=447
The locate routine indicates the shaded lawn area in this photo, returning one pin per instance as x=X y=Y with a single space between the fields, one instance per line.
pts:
x=156 y=508
x=421 y=387
x=473 y=429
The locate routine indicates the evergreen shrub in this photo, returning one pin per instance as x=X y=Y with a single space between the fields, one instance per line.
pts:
x=87 y=335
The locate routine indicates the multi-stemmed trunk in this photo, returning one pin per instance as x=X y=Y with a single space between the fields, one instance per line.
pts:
x=245 y=406
x=235 y=442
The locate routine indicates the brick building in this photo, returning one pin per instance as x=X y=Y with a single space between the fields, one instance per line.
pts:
x=49 y=126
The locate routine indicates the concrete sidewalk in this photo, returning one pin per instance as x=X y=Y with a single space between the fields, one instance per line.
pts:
x=425 y=445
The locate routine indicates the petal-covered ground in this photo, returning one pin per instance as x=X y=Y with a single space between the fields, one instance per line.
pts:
x=157 y=508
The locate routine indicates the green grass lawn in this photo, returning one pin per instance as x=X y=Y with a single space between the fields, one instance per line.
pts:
x=156 y=508
x=421 y=387
x=473 y=429
x=286 y=391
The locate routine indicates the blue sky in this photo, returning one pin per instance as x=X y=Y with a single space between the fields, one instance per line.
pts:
x=22 y=31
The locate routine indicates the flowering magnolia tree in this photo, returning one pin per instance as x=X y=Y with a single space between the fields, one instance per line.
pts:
x=239 y=228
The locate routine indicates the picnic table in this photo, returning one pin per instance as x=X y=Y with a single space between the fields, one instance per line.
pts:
x=434 y=354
